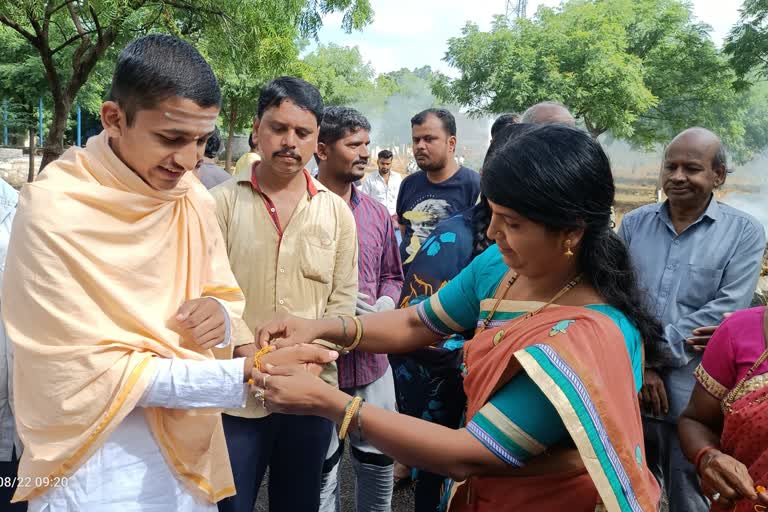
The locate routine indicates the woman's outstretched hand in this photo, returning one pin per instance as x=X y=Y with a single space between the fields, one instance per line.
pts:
x=293 y=390
x=311 y=358
x=287 y=330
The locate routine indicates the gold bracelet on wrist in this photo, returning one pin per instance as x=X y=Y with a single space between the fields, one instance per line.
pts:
x=358 y=334
x=349 y=413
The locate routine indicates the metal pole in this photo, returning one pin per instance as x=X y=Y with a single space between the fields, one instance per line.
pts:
x=5 y=122
x=41 y=120
x=79 y=126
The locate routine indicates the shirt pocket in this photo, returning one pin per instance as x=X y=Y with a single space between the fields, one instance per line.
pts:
x=318 y=257
x=699 y=286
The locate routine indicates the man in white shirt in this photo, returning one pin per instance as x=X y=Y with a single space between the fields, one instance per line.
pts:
x=384 y=185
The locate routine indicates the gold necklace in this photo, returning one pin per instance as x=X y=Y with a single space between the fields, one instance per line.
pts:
x=499 y=336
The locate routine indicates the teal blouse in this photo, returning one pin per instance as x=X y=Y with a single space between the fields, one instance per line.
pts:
x=519 y=421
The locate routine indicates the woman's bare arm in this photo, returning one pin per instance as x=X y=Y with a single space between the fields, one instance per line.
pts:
x=390 y=332
x=701 y=423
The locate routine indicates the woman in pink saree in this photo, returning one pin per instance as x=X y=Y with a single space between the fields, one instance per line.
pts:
x=724 y=430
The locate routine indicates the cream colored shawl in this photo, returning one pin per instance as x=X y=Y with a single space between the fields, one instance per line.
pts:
x=99 y=263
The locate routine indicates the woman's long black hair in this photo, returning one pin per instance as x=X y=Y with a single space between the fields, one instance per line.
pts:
x=560 y=177
x=481 y=214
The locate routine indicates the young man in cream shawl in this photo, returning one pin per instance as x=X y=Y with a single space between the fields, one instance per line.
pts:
x=118 y=292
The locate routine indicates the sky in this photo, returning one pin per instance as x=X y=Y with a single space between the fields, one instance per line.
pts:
x=414 y=33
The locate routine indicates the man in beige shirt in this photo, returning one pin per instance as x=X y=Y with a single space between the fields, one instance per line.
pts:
x=292 y=245
x=247 y=160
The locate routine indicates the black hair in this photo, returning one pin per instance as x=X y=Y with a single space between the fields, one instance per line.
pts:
x=298 y=91
x=156 y=67
x=502 y=121
x=445 y=116
x=384 y=154
x=338 y=122
x=250 y=141
x=560 y=177
x=481 y=215
x=213 y=144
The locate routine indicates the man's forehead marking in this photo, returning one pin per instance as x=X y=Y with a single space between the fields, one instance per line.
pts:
x=203 y=120
x=178 y=114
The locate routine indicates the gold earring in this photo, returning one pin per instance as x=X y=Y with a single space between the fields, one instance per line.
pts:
x=568 y=251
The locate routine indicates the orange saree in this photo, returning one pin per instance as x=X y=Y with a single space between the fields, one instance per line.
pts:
x=578 y=359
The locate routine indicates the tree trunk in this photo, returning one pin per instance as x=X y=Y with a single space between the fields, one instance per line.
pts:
x=231 y=137
x=596 y=132
x=31 y=172
x=593 y=130
x=54 y=143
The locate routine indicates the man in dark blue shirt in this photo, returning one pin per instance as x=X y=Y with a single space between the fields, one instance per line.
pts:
x=443 y=189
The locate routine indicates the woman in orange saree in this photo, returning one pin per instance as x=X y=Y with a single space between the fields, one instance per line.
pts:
x=576 y=357
x=553 y=372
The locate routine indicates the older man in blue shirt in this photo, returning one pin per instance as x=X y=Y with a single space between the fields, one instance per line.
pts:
x=698 y=259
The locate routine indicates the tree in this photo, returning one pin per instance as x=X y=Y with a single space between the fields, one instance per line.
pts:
x=577 y=56
x=275 y=34
x=71 y=36
x=22 y=83
x=339 y=73
x=747 y=44
x=642 y=69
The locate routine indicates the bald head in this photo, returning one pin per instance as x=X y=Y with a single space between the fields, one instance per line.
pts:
x=701 y=143
x=694 y=166
x=548 y=113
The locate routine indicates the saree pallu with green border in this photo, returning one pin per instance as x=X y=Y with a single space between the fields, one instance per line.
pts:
x=579 y=360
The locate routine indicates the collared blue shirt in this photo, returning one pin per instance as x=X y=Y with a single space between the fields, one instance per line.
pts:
x=693 y=278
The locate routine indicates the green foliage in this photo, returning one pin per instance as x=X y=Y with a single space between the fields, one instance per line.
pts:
x=22 y=80
x=339 y=73
x=247 y=41
x=260 y=44
x=747 y=44
x=641 y=69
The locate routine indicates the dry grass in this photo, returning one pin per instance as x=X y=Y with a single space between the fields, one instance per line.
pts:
x=631 y=197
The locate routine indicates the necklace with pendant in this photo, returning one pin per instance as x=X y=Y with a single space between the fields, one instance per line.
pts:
x=499 y=336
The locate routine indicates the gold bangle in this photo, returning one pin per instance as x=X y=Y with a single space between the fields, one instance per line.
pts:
x=346 y=349
x=358 y=334
x=349 y=413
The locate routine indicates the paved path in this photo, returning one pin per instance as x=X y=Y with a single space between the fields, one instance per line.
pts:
x=402 y=501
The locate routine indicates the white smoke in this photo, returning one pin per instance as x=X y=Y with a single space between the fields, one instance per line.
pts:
x=754 y=204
